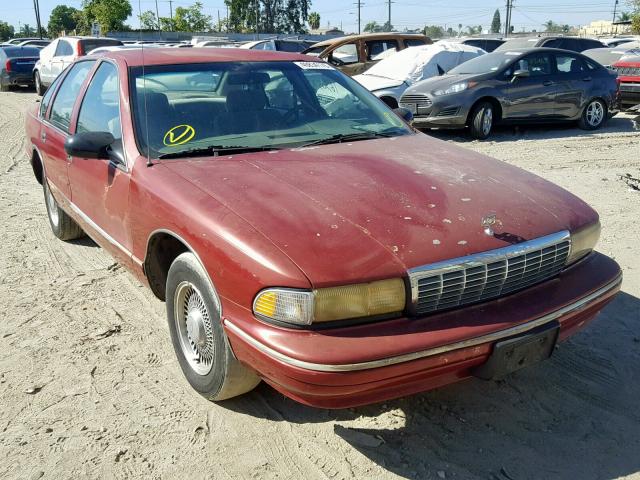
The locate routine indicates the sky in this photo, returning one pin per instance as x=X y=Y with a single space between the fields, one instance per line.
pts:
x=527 y=14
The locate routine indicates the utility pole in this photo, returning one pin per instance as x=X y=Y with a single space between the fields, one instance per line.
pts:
x=389 y=17
x=158 y=18
x=359 y=5
x=615 y=8
x=171 y=13
x=219 y=24
x=257 y=17
x=227 y=18
x=507 y=22
x=36 y=8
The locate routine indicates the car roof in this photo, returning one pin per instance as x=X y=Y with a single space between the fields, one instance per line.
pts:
x=173 y=56
x=367 y=36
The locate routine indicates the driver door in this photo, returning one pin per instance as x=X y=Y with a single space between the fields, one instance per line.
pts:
x=100 y=188
x=531 y=97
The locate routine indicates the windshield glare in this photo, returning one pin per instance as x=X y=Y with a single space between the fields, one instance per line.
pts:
x=254 y=104
x=491 y=62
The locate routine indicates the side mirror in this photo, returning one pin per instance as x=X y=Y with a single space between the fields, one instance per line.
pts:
x=404 y=113
x=519 y=74
x=89 y=145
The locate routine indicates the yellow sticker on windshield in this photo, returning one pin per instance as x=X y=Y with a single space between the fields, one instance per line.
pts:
x=179 y=135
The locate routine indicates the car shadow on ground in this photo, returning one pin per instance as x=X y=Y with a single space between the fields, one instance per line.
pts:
x=621 y=123
x=574 y=416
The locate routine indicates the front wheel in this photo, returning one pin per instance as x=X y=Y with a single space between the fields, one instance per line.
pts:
x=481 y=120
x=594 y=115
x=199 y=341
x=40 y=89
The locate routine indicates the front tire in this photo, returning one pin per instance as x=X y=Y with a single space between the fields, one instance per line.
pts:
x=40 y=89
x=62 y=225
x=481 y=120
x=594 y=115
x=199 y=341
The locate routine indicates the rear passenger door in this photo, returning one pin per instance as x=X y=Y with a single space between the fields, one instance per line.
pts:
x=100 y=188
x=573 y=80
x=531 y=97
x=62 y=58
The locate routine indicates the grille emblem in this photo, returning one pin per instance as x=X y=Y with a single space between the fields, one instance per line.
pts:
x=488 y=222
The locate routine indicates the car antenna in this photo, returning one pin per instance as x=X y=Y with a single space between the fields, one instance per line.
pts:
x=144 y=90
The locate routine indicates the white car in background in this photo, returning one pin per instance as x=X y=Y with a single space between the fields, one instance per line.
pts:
x=389 y=78
x=610 y=55
x=62 y=52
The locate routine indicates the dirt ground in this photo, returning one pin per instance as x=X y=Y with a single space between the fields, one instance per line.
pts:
x=89 y=387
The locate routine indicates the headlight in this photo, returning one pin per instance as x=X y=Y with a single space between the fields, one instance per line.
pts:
x=455 y=88
x=302 y=307
x=583 y=241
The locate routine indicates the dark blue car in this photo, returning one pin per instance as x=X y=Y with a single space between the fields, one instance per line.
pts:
x=16 y=66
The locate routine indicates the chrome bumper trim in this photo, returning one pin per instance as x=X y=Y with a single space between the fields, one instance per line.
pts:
x=407 y=357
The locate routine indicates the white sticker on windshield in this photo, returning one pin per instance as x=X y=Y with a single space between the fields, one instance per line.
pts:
x=512 y=53
x=314 y=65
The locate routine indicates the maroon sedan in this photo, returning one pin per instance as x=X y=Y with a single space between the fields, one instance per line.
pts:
x=301 y=233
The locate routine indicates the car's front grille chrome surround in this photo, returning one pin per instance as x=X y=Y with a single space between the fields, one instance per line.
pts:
x=487 y=275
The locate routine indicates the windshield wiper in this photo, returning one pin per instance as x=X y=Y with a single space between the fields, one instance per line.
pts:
x=215 y=150
x=348 y=137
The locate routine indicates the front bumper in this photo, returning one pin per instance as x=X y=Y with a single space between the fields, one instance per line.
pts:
x=374 y=362
x=629 y=94
x=447 y=111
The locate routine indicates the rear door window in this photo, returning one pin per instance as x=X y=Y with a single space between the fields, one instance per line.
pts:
x=63 y=49
x=569 y=64
x=413 y=42
x=66 y=96
x=375 y=48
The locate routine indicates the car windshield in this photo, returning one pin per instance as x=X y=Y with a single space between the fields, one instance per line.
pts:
x=491 y=62
x=190 y=108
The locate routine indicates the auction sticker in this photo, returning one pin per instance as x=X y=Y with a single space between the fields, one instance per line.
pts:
x=314 y=65
x=178 y=135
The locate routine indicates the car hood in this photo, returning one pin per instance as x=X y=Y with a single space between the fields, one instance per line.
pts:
x=367 y=210
x=375 y=82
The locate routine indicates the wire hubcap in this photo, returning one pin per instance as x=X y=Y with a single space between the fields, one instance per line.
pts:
x=194 y=328
x=595 y=113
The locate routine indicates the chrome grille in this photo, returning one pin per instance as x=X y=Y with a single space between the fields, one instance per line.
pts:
x=487 y=275
x=419 y=99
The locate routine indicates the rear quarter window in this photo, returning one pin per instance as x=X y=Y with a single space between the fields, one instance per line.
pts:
x=90 y=44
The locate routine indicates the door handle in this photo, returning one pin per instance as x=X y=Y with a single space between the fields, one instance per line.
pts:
x=43 y=136
x=586 y=79
x=547 y=83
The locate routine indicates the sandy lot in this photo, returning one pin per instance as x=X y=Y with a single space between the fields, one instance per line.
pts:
x=89 y=387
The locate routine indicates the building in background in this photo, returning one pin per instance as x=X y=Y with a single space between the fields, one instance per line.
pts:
x=605 y=27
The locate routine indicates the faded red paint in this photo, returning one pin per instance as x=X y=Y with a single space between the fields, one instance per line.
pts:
x=328 y=215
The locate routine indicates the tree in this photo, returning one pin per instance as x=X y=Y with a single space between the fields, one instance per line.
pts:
x=372 y=27
x=495 y=23
x=624 y=17
x=110 y=14
x=474 y=30
x=314 y=20
x=433 y=31
x=6 y=31
x=192 y=19
x=26 y=31
x=387 y=27
x=293 y=18
x=148 y=20
x=62 y=19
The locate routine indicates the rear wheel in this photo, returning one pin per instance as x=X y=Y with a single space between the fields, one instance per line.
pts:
x=481 y=120
x=594 y=115
x=40 y=89
x=62 y=225
x=195 y=324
